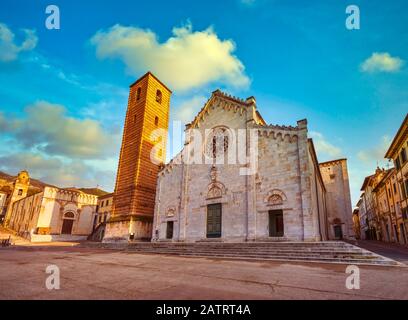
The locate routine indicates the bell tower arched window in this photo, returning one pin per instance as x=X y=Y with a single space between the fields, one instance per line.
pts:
x=159 y=96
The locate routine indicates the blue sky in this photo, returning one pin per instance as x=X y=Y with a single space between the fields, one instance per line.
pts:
x=63 y=92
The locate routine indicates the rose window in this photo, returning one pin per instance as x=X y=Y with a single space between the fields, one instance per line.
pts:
x=217 y=142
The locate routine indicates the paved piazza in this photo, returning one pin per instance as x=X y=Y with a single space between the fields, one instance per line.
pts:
x=106 y=274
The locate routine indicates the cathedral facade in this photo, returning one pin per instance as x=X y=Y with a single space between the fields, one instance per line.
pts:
x=278 y=193
x=236 y=179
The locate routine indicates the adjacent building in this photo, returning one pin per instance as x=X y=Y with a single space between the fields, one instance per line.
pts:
x=356 y=224
x=397 y=152
x=3 y=205
x=54 y=215
x=104 y=208
x=42 y=213
x=385 y=208
x=369 y=216
x=103 y=214
x=383 y=204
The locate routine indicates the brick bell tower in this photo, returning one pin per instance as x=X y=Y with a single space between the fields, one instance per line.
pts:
x=135 y=189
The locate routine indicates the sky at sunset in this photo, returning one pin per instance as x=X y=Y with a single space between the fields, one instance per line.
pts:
x=63 y=93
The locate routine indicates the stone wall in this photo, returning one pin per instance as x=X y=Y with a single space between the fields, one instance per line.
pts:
x=339 y=211
x=24 y=214
x=278 y=173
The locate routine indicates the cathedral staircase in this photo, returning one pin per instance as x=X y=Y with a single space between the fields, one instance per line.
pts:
x=323 y=252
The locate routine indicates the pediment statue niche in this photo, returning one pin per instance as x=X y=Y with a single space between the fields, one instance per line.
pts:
x=171 y=212
x=213 y=174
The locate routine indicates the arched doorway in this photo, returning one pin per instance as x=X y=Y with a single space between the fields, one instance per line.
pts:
x=68 y=222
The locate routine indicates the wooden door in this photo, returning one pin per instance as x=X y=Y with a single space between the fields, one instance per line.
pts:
x=67 y=226
x=169 y=231
x=276 y=226
x=214 y=219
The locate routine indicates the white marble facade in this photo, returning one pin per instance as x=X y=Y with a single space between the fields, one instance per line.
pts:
x=54 y=215
x=282 y=196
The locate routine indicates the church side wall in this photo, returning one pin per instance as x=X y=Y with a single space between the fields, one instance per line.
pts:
x=318 y=194
x=279 y=174
x=339 y=211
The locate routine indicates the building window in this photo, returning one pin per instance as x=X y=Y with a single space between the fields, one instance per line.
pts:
x=404 y=213
x=156 y=121
x=403 y=192
x=20 y=192
x=101 y=204
x=138 y=93
x=107 y=203
x=397 y=163
x=395 y=188
x=158 y=96
x=403 y=155
x=406 y=188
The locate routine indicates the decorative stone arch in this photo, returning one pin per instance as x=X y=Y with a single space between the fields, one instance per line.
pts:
x=215 y=190
x=68 y=206
x=275 y=197
x=69 y=215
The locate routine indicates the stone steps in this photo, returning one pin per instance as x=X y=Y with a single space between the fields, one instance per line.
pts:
x=309 y=258
x=325 y=252
x=263 y=253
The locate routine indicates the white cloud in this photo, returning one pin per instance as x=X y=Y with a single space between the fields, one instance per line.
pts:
x=382 y=62
x=375 y=155
x=187 y=110
x=323 y=146
x=59 y=171
x=47 y=127
x=188 y=59
x=9 y=50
